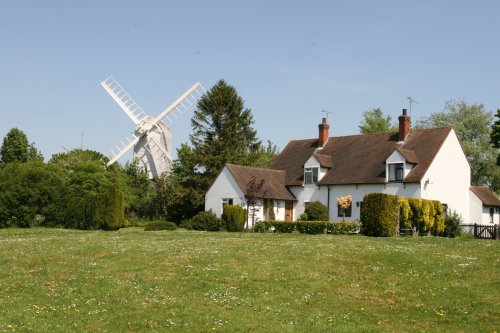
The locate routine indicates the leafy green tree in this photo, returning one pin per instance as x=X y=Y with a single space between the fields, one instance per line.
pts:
x=473 y=127
x=495 y=135
x=374 y=121
x=109 y=210
x=316 y=211
x=265 y=155
x=139 y=192
x=32 y=193
x=15 y=148
x=222 y=131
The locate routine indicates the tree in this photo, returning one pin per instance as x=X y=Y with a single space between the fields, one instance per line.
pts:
x=109 y=211
x=374 y=122
x=495 y=135
x=15 y=148
x=254 y=193
x=472 y=125
x=33 y=193
x=222 y=131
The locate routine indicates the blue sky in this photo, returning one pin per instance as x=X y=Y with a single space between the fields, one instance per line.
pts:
x=288 y=60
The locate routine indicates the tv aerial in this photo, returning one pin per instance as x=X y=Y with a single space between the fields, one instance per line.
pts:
x=327 y=113
x=411 y=101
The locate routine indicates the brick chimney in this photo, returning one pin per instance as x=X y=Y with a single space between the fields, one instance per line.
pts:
x=323 y=133
x=404 y=125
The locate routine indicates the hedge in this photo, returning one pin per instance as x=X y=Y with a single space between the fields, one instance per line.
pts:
x=308 y=227
x=381 y=213
x=160 y=225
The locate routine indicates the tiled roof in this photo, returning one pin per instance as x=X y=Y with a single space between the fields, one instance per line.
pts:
x=274 y=181
x=486 y=196
x=360 y=159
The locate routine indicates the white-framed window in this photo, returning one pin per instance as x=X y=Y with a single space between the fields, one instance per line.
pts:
x=310 y=175
x=396 y=172
x=226 y=201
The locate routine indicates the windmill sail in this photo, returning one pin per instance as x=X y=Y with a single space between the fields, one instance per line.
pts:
x=152 y=139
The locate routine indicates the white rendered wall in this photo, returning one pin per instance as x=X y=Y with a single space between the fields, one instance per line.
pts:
x=475 y=209
x=224 y=186
x=449 y=178
x=357 y=193
x=307 y=193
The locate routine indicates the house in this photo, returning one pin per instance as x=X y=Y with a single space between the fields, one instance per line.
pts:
x=484 y=206
x=413 y=163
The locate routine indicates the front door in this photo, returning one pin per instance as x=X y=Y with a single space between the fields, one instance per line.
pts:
x=288 y=210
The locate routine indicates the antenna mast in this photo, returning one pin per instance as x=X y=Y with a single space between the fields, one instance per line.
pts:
x=411 y=101
x=327 y=113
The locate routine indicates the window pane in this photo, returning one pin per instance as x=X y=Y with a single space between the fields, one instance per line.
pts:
x=315 y=175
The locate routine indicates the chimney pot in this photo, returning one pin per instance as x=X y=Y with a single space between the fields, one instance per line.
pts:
x=323 y=133
x=404 y=125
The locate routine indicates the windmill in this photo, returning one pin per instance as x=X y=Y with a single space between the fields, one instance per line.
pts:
x=152 y=138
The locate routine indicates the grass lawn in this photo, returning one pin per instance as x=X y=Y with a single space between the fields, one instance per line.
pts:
x=131 y=281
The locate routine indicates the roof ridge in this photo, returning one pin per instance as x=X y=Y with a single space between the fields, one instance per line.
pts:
x=253 y=167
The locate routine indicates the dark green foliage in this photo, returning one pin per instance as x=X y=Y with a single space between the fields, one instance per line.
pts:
x=452 y=223
x=380 y=215
x=160 y=225
x=283 y=227
x=316 y=211
x=303 y=217
x=262 y=226
x=206 y=221
x=221 y=118
x=32 y=193
x=109 y=210
x=80 y=213
x=311 y=227
x=342 y=228
x=186 y=224
x=374 y=121
x=234 y=217
x=495 y=135
x=15 y=148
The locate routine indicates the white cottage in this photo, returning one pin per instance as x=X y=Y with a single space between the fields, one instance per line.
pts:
x=427 y=164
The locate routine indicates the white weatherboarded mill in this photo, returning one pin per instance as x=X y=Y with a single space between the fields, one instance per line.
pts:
x=152 y=138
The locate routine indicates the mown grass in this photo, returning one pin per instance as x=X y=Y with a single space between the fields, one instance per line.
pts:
x=131 y=281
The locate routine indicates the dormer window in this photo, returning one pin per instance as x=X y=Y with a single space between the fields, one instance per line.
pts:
x=396 y=172
x=310 y=175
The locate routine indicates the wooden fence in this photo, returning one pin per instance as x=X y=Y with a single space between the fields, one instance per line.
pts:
x=482 y=231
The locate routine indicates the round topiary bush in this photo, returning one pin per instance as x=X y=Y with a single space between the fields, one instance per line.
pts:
x=160 y=225
x=316 y=211
x=206 y=221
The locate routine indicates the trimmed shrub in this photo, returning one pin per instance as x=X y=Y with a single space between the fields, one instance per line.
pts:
x=405 y=214
x=316 y=211
x=452 y=225
x=206 y=221
x=311 y=227
x=160 y=225
x=439 y=225
x=283 y=227
x=342 y=228
x=380 y=215
x=109 y=211
x=303 y=217
x=262 y=226
x=186 y=224
x=234 y=217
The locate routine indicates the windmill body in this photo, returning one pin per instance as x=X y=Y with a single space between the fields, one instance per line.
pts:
x=152 y=138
